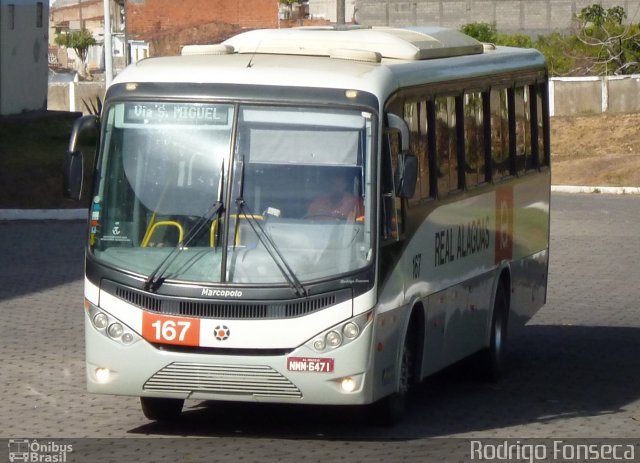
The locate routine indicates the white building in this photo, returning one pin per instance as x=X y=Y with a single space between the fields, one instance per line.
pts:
x=327 y=9
x=23 y=55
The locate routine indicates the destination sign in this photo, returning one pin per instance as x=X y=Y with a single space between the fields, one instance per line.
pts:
x=176 y=113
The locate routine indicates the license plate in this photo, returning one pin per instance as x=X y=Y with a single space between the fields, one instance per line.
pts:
x=164 y=329
x=312 y=365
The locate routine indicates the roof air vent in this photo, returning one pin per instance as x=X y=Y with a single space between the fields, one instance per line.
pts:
x=365 y=56
x=217 y=49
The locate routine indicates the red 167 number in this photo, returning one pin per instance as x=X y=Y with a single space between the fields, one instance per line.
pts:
x=170 y=330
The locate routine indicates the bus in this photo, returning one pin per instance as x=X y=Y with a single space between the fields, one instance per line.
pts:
x=321 y=215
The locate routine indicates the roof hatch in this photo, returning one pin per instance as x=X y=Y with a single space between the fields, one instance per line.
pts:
x=415 y=43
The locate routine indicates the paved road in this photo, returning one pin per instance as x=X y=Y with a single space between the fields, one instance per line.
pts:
x=575 y=370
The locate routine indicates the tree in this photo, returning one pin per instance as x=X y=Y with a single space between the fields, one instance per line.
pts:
x=614 y=47
x=79 y=41
x=289 y=4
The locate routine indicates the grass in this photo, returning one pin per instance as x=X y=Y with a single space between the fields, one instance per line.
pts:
x=32 y=148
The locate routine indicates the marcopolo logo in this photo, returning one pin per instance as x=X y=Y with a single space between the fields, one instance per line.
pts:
x=221 y=292
x=34 y=451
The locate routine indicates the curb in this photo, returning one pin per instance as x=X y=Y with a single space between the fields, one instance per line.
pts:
x=81 y=214
x=609 y=190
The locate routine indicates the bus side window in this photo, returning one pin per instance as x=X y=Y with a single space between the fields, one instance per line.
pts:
x=446 y=145
x=415 y=115
x=524 y=155
x=499 y=134
x=542 y=121
x=391 y=206
x=474 y=139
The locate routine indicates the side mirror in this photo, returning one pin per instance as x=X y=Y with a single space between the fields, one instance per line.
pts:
x=73 y=165
x=406 y=175
x=397 y=123
x=72 y=173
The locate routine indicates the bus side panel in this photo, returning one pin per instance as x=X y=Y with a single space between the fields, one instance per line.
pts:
x=453 y=254
x=529 y=267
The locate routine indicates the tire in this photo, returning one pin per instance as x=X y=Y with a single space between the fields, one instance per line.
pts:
x=492 y=360
x=390 y=410
x=161 y=409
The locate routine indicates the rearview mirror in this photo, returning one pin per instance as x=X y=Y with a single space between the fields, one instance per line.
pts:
x=406 y=175
x=73 y=165
x=406 y=172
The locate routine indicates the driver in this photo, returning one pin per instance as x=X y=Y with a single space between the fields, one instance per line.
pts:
x=338 y=202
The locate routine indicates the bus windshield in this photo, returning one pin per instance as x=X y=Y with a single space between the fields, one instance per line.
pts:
x=295 y=182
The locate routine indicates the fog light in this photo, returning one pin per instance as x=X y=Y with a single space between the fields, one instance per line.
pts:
x=351 y=330
x=102 y=375
x=334 y=339
x=115 y=330
x=100 y=321
x=127 y=338
x=319 y=344
x=348 y=384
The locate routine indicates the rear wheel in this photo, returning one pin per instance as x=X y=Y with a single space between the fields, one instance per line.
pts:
x=161 y=409
x=493 y=357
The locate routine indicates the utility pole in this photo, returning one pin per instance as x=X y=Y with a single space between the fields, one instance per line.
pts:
x=108 y=47
x=340 y=13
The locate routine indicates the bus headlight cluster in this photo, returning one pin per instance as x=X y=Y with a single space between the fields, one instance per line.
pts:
x=342 y=334
x=110 y=326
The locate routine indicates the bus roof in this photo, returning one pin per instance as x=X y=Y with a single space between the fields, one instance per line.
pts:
x=376 y=60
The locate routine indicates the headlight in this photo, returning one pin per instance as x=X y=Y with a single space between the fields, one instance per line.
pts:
x=334 y=339
x=100 y=321
x=319 y=345
x=109 y=326
x=341 y=334
x=351 y=330
x=115 y=330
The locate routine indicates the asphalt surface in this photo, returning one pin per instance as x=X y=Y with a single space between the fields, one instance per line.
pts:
x=574 y=371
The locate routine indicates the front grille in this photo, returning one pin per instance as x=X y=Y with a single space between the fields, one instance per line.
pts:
x=226 y=310
x=250 y=380
x=269 y=309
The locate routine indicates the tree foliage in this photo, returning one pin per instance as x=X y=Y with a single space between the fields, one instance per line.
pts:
x=483 y=32
x=614 y=47
x=600 y=43
x=79 y=41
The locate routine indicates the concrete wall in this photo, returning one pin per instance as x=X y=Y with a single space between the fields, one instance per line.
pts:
x=532 y=17
x=591 y=95
x=623 y=94
x=23 y=56
x=75 y=96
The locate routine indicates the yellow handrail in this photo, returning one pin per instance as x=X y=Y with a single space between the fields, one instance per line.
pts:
x=162 y=223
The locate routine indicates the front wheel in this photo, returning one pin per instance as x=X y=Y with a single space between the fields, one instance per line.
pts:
x=390 y=410
x=161 y=409
x=492 y=360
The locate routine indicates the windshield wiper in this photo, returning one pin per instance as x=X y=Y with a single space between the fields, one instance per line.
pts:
x=267 y=241
x=156 y=278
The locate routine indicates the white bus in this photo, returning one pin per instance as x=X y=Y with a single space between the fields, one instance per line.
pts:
x=313 y=216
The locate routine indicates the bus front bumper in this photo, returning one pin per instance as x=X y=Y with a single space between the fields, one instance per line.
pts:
x=303 y=376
